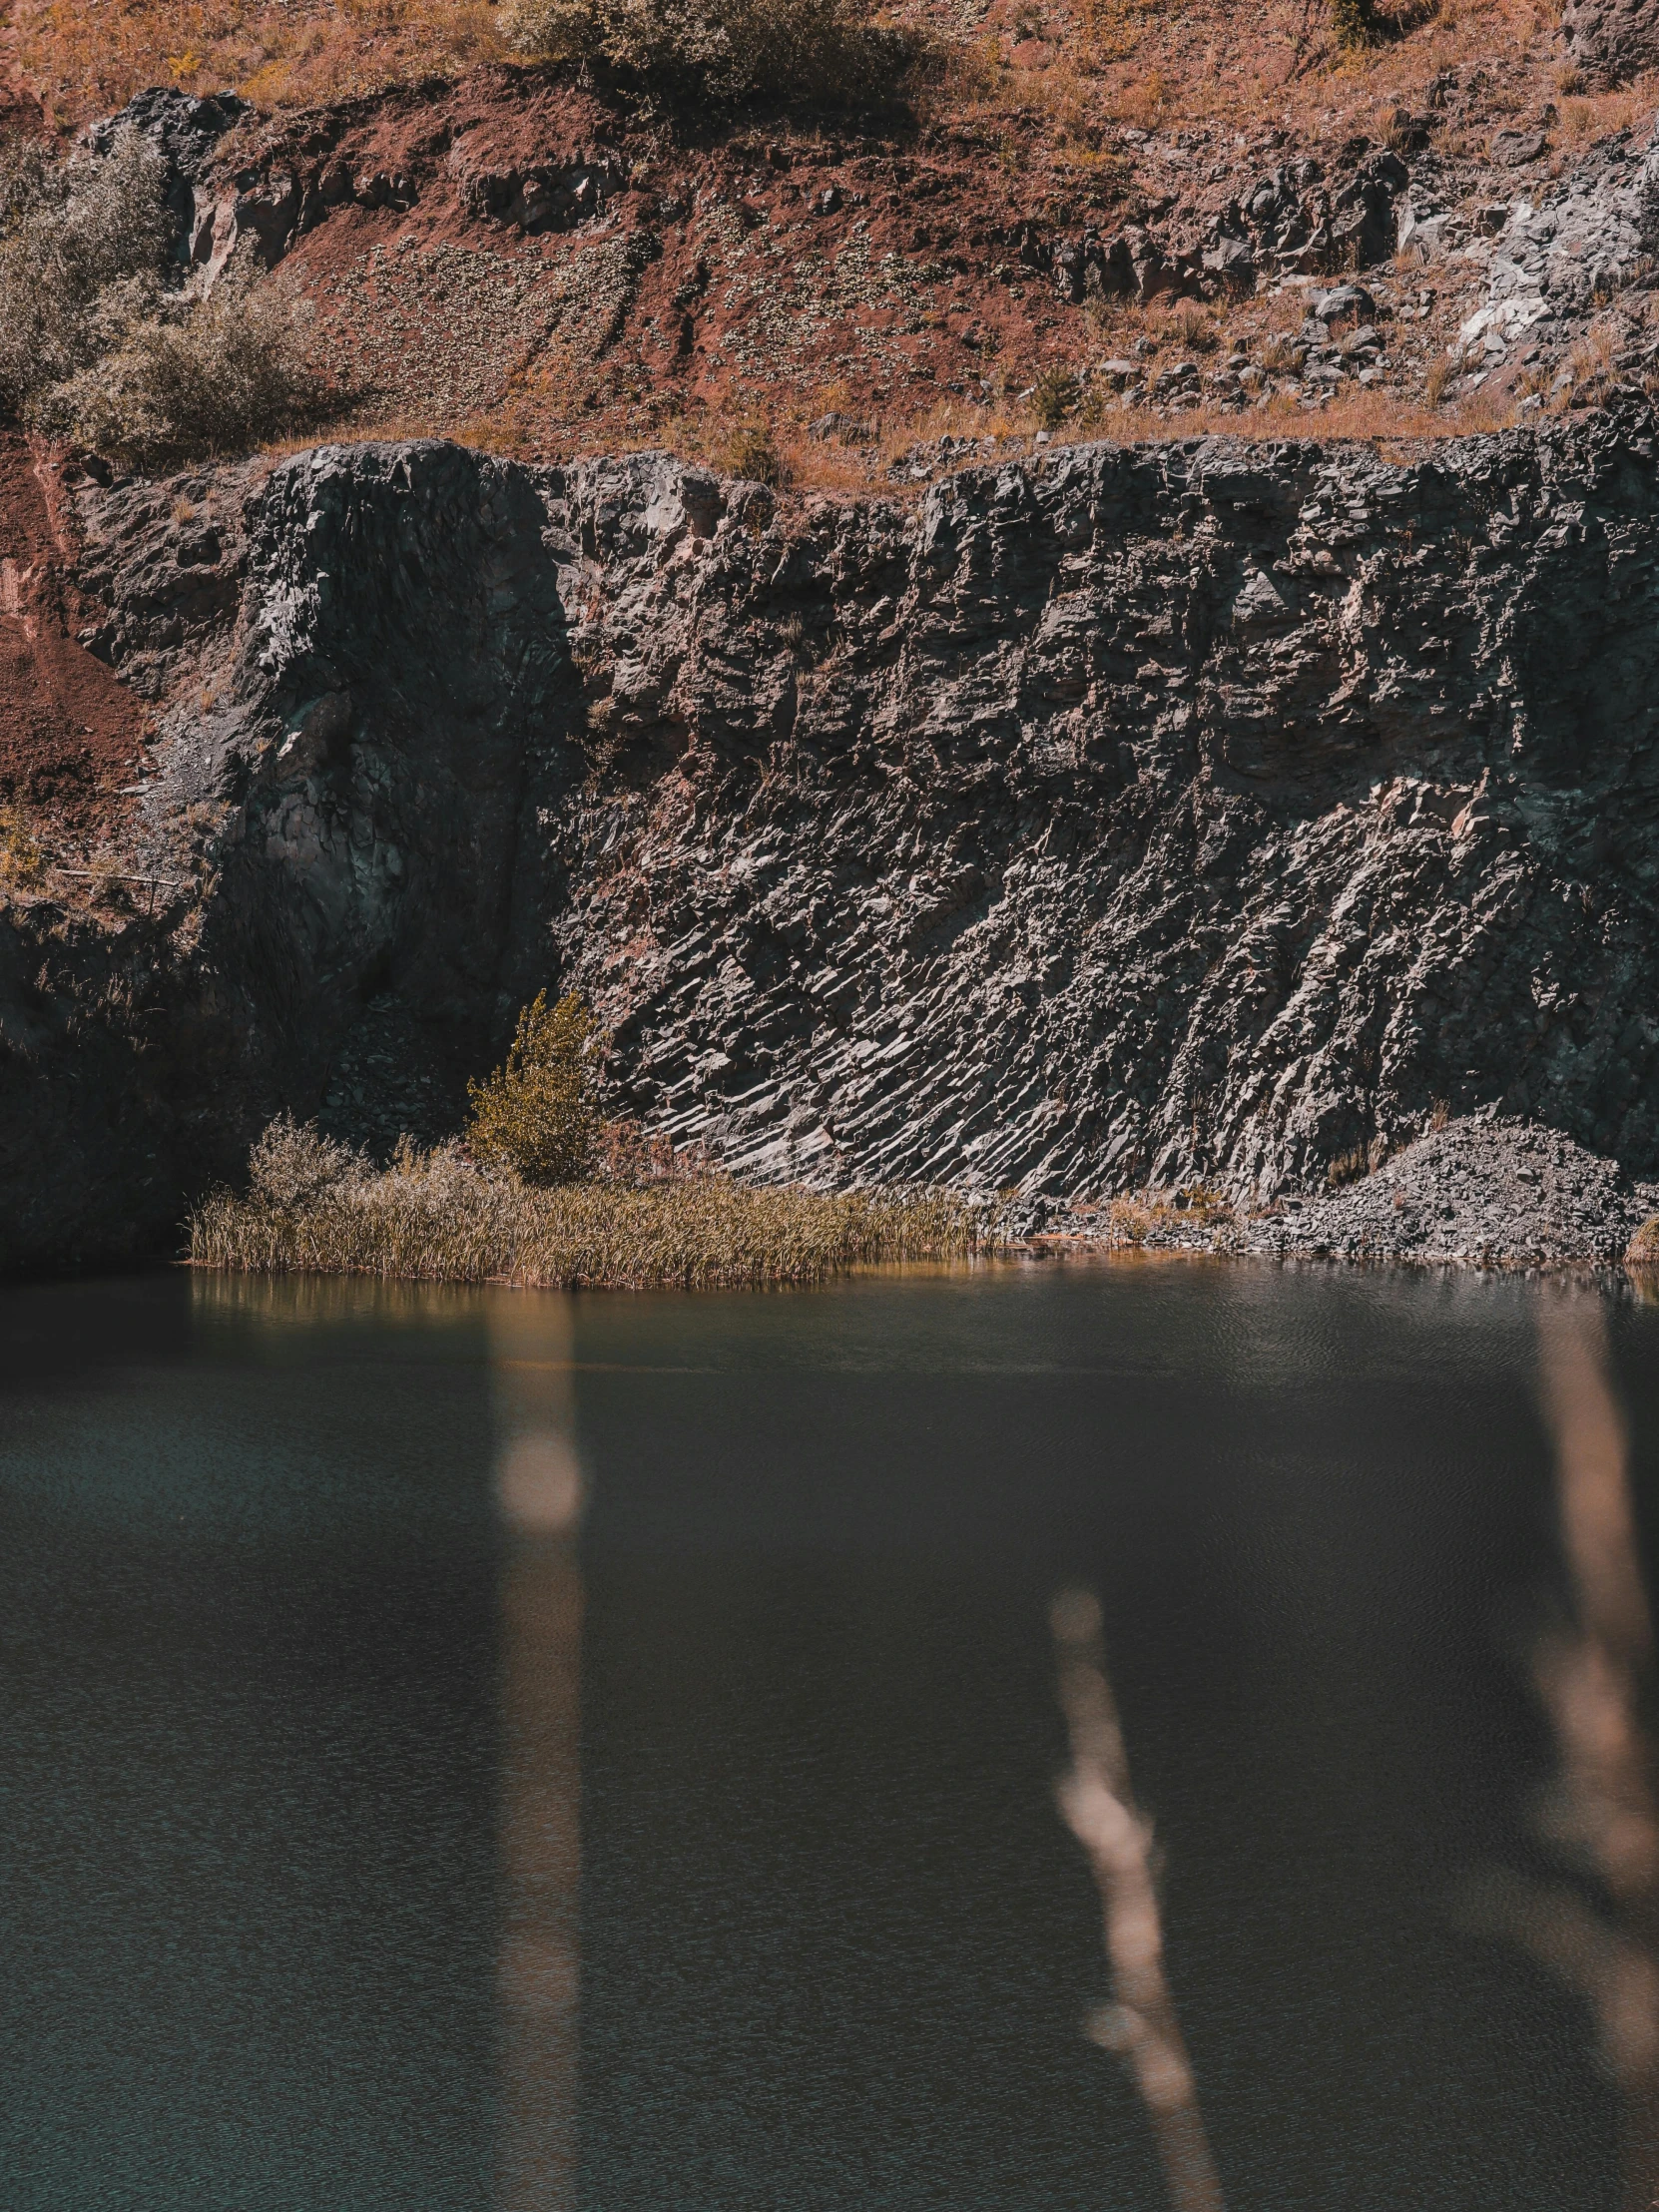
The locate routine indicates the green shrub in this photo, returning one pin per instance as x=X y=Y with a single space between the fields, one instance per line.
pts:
x=95 y=346
x=535 y=1114
x=733 y=52
x=218 y=379
x=1054 y=395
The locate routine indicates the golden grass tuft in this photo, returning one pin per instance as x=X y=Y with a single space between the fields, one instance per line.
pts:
x=1441 y=373
x=85 y=61
x=434 y=1217
x=1643 y=1247
x=23 y=862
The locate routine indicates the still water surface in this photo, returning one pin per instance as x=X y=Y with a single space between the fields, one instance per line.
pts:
x=470 y=1750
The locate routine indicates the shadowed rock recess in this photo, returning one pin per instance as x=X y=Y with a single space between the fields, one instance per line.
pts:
x=1201 y=812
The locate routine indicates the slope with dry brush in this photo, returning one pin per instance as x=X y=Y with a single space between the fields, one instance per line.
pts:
x=772 y=245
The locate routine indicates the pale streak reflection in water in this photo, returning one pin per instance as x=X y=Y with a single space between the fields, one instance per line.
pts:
x=538 y=1489
x=1594 y=1671
x=1597 y=1930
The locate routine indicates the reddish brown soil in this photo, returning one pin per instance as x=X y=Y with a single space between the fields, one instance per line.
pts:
x=70 y=733
x=716 y=281
x=777 y=274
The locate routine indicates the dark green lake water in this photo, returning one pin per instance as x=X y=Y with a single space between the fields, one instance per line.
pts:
x=470 y=1750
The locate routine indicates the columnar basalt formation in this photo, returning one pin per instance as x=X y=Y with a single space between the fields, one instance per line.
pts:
x=1194 y=812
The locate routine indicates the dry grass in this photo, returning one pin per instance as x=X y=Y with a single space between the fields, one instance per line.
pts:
x=434 y=1217
x=748 y=449
x=1442 y=371
x=1128 y=1222
x=1377 y=419
x=1193 y=330
x=1597 y=114
x=1591 y=360
x=1102 y=64
x=86 y=60
x=1398 y=428
x=1111 y=64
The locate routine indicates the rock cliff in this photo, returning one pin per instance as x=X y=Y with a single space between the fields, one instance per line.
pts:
x=1204 y=812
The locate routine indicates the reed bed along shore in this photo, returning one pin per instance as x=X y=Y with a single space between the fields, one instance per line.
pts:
x=433 y=1218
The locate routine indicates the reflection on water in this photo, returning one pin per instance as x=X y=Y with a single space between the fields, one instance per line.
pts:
x=1100 y=1808
x=388 y=1668
x=539 y=1486
x=1594 y=1674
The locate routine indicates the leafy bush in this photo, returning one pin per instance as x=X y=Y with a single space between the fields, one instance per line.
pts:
x=733 y=52
x=93 y=345
x=294 y=1165
x=535 y=1114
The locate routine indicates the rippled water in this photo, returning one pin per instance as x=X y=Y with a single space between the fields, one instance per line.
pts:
x=489 y=1749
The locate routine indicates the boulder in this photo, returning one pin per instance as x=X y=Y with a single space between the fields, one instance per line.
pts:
x=1343 y=299
x=1611 y=41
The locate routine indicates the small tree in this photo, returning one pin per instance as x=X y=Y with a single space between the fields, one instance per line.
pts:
x=535 y=1114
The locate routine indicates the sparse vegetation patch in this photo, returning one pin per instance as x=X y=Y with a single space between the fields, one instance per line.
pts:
x=436 y=1216
x=98 y=348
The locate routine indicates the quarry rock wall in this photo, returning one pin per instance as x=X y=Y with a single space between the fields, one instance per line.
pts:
x=1205 y=812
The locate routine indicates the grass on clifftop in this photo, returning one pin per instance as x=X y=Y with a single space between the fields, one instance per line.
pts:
x=434 y=1216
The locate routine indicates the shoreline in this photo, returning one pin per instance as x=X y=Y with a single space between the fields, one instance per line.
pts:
x=1488 y=1194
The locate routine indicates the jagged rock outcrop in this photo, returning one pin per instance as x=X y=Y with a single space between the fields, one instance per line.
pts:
x=1611 y=41
x=186 y=130
x=1578 y=243
x=1196 y=812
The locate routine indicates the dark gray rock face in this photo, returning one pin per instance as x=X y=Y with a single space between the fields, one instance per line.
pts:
x=1203 y=812
x=1192 y=813
x=1611 y=41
